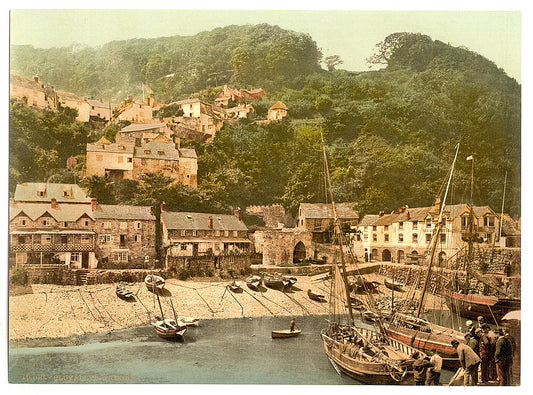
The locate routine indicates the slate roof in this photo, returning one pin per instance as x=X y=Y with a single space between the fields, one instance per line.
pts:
x=24 y=82
x=187 y=152
x=168 y=150
x=369 y=220
x=137 y=127
x=68 y=95
x=279 y=106
x=107 y=211
x=324 y=210
x=62 y=212
x=27 y=192
x=111 y=147
x=200 y=221
x=100 y=104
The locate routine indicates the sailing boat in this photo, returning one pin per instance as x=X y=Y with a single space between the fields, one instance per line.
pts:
x=365 y=355
x=419 y=333
x=473 y=305
x=169 y=328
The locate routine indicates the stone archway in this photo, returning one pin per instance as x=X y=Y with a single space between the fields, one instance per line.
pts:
x=386 y=256
x=299 y=253
x=401 y=256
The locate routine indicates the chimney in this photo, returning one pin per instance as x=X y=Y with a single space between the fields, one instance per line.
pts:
x=438 y=204
x=381 y=213
x=401 y=210
x=238 y=213
x=53 y=203
x=36 y=78
x=210 y=222
x=94 y=204
x=163 y=206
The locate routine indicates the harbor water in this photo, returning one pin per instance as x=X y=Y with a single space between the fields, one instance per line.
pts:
x=228 y=351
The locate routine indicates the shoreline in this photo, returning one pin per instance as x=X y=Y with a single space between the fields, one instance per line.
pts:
x=63 y=315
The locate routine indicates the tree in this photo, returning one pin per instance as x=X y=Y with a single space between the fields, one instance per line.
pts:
x=332 y=62
x=387 y=48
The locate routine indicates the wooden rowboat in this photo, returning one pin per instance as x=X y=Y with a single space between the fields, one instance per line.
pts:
x=189 y=321
x=276 y=283
x=395 y=286
x=285 y=333
x=154 y=282
x=253 y=282
x=234 y=287
x=314 y=296
x=123 y=292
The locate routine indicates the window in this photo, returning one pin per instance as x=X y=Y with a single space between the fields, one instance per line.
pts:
x=488 y=221
x=400 y=225
x=374 y=237
x=183 y=233
x=415 y=224
x=130 y=160
x=23 y=221
x=374 y=228
x=104 y=239
x=138 y=225
x=137 y=238
x=415 y=237
x=443 y=221
x=195 y=233
x=46 y=221
x=86 y=238
x=46 y=239
x=489 y=238
x=235 y=233
x=386 y=237
x=65 y=224
x=443 y=237
x=147 y=151
x=464 y=222
x=365 y=237
x=64 y=239
x=86 y=222
x=226 y=233
x=386 y=227
x=428 y=222
x=161 y=152
x=121 y=256
x=183 y=247
x=75 y=256
x=400 y=238
x=428 y=237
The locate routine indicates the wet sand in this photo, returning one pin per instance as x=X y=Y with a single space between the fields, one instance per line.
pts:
x=60 y=312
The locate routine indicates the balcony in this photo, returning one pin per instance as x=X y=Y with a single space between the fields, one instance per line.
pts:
x=52 y=247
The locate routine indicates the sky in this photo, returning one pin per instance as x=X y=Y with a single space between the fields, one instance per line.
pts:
x=352 y=35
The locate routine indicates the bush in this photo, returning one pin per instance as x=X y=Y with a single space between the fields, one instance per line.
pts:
x=19 y=276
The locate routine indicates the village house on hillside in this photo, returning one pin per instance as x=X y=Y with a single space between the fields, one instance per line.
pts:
x=187 y=234
x=138 y=111
x=51 y=224
x=126 y=235
x=67 y=99
x=31 y=91
x=277 y=112
x=229 y=95
x=141 y=149
x=199 y=117
x=318 y=218
x=408 y=232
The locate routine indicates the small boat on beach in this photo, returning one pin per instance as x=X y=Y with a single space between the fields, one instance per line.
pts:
x=189 y=321
x=254 y=282
x=154 y=282
x=276 y=283
x=234 y=286
x=370 y=316
x=360 y=285
x=315 y=296
x=393 y=285
x=123 y=292
x=170 y=329
x=285 y=333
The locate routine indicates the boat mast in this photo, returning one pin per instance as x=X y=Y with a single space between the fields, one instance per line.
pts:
x=503 y=203
x=436 y=235
x=160 y=307
x=470 y=238
x=338 y=233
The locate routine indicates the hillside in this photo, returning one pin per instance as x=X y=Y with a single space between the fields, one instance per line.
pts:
x=390 y=134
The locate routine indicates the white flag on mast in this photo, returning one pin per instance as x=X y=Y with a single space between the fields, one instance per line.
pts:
x=470 y=158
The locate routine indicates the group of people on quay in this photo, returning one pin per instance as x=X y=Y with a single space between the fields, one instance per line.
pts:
x=490 y=351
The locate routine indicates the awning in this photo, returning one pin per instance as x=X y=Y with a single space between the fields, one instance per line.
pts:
x=512 y=315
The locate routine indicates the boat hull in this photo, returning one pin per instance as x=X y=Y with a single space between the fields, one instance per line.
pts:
x=473 y=306
x=365 y=371
x=393 y=286
x=283 y=334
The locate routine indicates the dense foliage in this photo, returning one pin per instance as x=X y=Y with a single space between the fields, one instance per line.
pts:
x=390 y=134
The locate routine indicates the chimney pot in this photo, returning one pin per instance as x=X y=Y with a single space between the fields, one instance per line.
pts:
x=94 y=204
x=53 y=203
x=238 y=213
x=36 y=78
x=210 y=222
x=163 y=206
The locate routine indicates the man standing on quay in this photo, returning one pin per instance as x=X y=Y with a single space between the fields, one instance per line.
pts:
x=504 y=358
x=469 y=362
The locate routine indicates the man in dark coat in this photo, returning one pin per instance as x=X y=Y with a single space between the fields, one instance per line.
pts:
x=486 y=353
x=504 y=358
x=420 y=366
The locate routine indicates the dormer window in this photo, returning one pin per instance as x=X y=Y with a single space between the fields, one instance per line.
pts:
x=121 y=147
x=161 y=152
x=428 y=222
x=41 y=193
x=147 y=151
x=488 y=221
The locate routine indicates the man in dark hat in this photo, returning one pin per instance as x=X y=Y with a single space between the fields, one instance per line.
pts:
x=486 y=353
x=503 y=356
